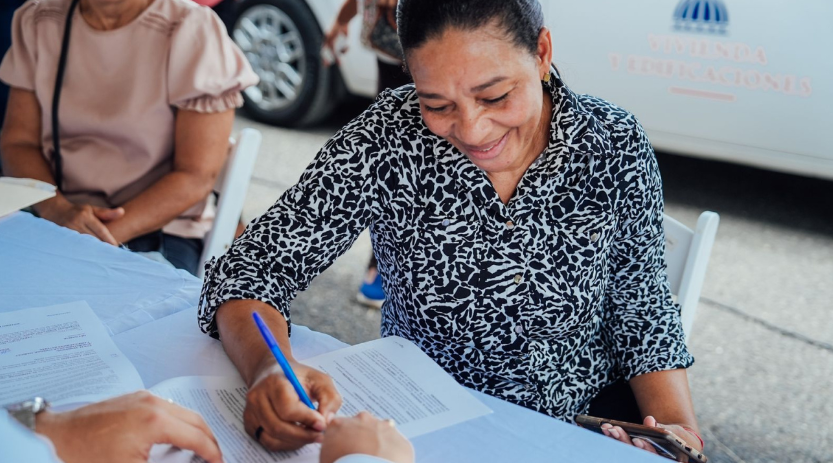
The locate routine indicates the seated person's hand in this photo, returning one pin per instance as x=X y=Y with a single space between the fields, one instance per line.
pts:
x=277 y=418
x=124 y=429
x=619 y=434
x=366 y=435
x=82 y=218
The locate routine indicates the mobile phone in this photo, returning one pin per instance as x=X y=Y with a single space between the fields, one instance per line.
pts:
x=665 y=442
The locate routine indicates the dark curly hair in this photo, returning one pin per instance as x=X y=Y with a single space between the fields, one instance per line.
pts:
x=421 y=20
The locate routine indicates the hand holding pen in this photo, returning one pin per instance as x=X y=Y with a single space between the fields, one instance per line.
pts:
x=282 y=361
x=282 y=415
x=362 y=434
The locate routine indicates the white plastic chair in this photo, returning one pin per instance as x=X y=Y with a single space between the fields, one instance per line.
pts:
x=232 y=185
x=687 y=256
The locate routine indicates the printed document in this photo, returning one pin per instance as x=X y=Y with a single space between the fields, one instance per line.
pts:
x=393 y=378
x=221 y=401
x=62 y=353
x=390 y=377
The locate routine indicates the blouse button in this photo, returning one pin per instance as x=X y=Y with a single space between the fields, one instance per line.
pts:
x=519 y=329
x=510 y=225
x=594 y=237
x=518 y=278
x=446 y=222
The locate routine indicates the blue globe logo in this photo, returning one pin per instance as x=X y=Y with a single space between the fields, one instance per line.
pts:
x=701 y=16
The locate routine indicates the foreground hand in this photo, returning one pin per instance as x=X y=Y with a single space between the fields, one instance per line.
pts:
x=619 y=434
x=287 y=423
x=83 y=218
x=364 y=434
x=124 y=429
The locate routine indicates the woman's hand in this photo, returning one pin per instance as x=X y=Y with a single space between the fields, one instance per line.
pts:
x=364 y=434
x=124 y=429
x=287 y=423
x=83 y=218
x=619 y=434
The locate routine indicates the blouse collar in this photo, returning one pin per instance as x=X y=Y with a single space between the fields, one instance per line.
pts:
x=574 y=127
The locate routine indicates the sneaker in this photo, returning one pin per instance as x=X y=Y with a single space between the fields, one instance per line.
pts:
x=372 y=294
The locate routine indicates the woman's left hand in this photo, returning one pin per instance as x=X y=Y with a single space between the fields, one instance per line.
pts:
x=619 y=434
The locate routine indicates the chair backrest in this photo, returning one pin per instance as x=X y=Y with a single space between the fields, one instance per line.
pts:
x=687 y=256
x=232 y=185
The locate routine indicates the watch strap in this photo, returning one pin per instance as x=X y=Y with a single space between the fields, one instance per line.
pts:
x=25 y=412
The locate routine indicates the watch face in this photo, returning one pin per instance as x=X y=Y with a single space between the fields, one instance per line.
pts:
x=39 y=405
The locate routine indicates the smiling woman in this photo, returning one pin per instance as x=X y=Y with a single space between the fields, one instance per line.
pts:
x=476 y=89
x=517 y=224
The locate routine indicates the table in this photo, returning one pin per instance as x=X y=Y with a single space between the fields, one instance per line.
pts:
x=150 y=311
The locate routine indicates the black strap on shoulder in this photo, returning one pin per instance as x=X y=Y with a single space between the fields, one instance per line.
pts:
x=57 y=160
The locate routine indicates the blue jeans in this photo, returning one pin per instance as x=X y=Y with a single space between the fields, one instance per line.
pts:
x=183 y=253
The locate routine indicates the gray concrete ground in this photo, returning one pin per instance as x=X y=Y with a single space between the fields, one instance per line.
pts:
x=763 y=338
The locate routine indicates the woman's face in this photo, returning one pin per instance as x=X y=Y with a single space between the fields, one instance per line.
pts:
x=482 y=92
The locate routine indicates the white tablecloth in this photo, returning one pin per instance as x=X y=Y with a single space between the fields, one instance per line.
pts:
x=150 y=311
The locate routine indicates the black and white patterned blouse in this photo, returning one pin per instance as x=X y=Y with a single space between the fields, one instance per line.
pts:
x=541 y=302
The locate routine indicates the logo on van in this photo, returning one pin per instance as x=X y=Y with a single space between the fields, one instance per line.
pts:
x=709 y=16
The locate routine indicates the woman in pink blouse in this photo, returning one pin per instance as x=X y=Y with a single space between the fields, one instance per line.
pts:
x=146 y=108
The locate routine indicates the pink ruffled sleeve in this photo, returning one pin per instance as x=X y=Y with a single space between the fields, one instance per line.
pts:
x=18 y=67
x=206 y=70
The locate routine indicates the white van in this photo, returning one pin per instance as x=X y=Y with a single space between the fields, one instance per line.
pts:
x=747 y=81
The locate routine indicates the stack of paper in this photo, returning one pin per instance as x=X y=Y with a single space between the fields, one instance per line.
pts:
x=391 y=378
x=64 y=354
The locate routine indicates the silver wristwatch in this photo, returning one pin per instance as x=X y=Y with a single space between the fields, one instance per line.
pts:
x=25 y=412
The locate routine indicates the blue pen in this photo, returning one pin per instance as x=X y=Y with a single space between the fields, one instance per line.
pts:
x=276 y=351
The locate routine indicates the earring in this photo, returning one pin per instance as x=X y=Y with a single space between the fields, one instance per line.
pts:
x=547 y=77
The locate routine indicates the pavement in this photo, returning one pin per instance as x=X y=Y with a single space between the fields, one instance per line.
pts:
x=762 y=383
